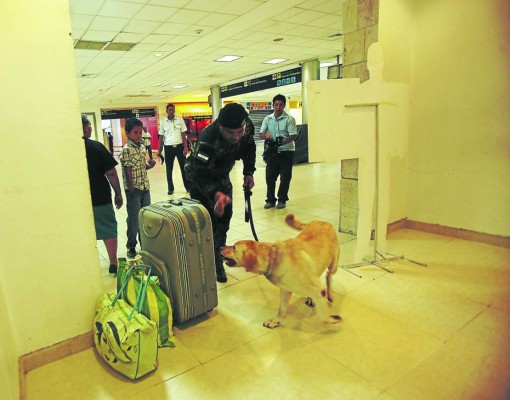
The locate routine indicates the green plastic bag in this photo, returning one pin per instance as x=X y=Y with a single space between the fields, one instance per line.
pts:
x=123 y=337
x=156 y=307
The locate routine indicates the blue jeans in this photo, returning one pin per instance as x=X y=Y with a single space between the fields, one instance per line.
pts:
x=135 y=199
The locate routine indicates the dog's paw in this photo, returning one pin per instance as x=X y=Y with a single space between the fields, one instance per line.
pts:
x=271 y=324
x=333 y=319
x=309 y=302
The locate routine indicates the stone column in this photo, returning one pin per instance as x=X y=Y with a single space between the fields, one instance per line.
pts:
x=361 y=19
x=349 y=206
x=309 y=72
x=216 y=102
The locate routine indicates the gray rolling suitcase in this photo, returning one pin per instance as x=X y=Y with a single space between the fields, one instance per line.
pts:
x=177 y=236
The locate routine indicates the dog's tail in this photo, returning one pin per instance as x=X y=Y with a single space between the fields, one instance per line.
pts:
x=291 y=221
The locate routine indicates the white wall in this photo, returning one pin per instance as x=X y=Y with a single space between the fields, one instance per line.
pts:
x=50 y=269
x=458 y=154
x=460 y=121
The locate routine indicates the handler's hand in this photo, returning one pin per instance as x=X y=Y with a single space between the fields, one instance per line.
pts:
x=249 y=182
x=222 y=200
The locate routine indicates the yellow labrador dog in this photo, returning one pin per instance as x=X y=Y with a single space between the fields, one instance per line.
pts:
x=294 y=265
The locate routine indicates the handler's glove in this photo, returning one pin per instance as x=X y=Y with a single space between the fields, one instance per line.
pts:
x=222 y=200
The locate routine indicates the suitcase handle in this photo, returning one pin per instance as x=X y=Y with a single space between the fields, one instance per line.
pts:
x=148 y=229
x=182 y=201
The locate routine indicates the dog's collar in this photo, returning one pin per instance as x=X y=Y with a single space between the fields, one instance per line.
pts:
x=273 y=253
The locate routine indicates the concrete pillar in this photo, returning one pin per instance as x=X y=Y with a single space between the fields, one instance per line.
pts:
x=309 y=72
x=349 y=205
x=216 y=102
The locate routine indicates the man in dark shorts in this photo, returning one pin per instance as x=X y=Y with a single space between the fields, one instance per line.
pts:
x=102 y=175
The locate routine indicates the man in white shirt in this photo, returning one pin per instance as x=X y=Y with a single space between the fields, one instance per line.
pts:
x=279 y=130
x=172 y=135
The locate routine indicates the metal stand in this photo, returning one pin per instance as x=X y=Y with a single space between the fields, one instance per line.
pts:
x=378 y=258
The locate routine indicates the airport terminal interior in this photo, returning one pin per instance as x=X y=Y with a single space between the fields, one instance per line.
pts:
x=435 y=332
x=415 y=93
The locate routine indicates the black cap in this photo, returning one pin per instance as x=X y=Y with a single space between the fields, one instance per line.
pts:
x=232 y=116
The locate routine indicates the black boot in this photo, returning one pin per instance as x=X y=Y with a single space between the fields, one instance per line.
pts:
x=221 y=275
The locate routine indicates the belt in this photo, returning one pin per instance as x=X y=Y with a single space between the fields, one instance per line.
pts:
x=174 y=145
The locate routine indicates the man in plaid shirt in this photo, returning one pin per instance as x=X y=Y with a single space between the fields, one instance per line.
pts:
x=136 y=182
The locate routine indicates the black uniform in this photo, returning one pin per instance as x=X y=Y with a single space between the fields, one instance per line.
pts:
x=208 y=168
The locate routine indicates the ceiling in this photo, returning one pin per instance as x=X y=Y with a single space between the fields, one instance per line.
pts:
x=175 y=42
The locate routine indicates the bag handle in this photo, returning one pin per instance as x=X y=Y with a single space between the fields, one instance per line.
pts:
x=140 y=298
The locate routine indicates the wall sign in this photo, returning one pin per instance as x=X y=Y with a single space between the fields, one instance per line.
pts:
x=123 y=113
x=264 y=82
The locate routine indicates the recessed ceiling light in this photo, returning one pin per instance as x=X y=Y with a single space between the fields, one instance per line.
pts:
x=326 y=64
x=158 y=54
x=275 y=61
x=179 y=86
x=227 y=58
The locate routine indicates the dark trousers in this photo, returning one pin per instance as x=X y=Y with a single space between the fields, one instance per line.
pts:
x=135 y=200
x=279 y=165
x=220 y=225
x=171 y=153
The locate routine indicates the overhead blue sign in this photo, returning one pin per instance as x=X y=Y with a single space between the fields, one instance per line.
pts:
x=261 y=83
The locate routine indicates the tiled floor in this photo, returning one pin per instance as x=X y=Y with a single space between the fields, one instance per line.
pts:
x=436 y=332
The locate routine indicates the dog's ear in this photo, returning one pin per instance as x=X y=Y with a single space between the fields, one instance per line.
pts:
x=250 y=261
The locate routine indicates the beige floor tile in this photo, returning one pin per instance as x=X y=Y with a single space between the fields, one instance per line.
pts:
x=376 y=346
x=237 y=320
x=86 y=376
x=278 y=365
x=426 y=306
x=475 y=364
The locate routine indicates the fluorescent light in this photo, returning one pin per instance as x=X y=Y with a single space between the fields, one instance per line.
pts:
x=326 y=64
x=158 y=54
x=276 y=61
x=179 y=86
x=160 y=84
x=227 y=58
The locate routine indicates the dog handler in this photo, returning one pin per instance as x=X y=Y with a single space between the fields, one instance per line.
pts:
x=208 y=167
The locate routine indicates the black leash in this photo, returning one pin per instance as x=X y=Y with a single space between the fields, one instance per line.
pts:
x=248 y=216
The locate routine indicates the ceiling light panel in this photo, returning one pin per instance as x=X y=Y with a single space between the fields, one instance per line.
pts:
x=227 y=58
x=276 y=61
